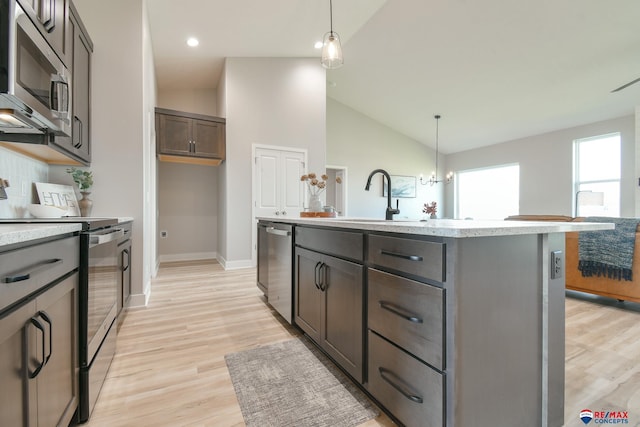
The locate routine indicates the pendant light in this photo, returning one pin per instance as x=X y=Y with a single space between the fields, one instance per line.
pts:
x=433 y=179
x=331 y=48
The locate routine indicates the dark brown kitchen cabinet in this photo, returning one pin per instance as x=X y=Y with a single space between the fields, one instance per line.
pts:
x=51 y=17
x=38 y=359
x=189 y=138
x=328 y=306
x=78 y=146
x=81 y=93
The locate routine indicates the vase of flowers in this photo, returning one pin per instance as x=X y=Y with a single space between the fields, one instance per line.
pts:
x=316 y=186
x=84 y=181
x=430 y=209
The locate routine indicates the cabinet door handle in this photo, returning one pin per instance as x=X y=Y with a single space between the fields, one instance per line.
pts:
x=26 y=275
x=127 y=254
x=78 y=142
x=323 y=282
x=399 y=311
x=317 y=277
x=403 y=256
x=47 y=319
x=387 y=374
x=38 y=326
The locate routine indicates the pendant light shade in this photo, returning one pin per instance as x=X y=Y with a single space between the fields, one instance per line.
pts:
x=331 y=47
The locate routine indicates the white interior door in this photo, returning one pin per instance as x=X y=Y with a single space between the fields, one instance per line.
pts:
x=278 y=189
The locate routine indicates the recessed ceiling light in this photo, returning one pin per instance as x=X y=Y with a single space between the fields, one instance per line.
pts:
x=193 y=42
x=318 y=45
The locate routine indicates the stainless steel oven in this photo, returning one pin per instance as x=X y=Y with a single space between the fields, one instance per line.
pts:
x=35 y=85
x=98 y=310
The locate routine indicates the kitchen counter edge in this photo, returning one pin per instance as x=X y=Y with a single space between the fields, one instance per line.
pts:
x=447 y=227
x=22 y=233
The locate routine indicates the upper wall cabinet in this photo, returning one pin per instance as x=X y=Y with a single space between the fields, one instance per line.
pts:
x=81 y=47
x=189 y=138
x=52 y=18
x=70 y=40
x=82 y=50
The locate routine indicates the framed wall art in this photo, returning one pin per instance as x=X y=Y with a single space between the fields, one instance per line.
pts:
x=401 y=186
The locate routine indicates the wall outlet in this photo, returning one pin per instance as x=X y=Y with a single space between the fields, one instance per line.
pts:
x=556 y=264
x=164 y=234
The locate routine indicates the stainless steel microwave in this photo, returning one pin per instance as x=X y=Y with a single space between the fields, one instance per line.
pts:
x=35 y=86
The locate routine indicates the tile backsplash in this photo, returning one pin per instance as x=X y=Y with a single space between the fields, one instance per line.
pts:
x=21 y=172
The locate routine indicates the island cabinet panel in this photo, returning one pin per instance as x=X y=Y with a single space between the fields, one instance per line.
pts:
x=462 y=326
x=343 y=244
x=329 y=305
x=413 y=392
x=419 y=258
x=409 y=314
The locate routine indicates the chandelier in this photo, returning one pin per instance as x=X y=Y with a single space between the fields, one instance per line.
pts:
x=433 y=179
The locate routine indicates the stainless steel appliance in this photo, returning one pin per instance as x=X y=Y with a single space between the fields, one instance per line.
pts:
x=35 y=85
x=98 y=310
x=275 y=258
x=97 y=296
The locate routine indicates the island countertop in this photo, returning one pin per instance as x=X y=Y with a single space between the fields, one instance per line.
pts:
x=447 y=227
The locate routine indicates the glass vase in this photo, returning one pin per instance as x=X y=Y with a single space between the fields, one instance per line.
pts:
x=315 y=204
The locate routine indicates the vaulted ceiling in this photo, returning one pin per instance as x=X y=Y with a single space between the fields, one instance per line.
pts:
x=496 y=70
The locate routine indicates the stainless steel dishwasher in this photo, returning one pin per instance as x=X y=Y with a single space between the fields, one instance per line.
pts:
x=275 y=261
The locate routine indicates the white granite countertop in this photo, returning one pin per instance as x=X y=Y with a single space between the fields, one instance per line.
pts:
x=21 y=233
x=448 y=227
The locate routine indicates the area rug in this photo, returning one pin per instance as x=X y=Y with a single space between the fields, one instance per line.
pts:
x=292 y=383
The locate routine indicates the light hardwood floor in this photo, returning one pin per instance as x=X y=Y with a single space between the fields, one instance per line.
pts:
x=169 y=369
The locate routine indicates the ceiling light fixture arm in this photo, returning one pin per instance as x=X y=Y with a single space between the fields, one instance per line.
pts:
x=433 y=179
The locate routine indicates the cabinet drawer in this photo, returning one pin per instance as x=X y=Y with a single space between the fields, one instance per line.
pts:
x=410 y=390
x=345 y=244
x=409 y=313
x=24 y=271
x=414 y=257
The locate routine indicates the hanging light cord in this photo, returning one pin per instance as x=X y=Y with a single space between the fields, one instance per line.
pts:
x=331 y=16
x=437 y=117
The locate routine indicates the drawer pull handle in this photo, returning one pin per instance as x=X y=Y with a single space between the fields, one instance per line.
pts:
x=26 y=275
x=386 y=375
x=399 y=311
x=403 y=256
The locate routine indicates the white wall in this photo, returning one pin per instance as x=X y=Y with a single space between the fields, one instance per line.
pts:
x=122 y=129
x=201 y=101
x=187 y=211
x=362 y=145
x=272 y=101
x=546 y=166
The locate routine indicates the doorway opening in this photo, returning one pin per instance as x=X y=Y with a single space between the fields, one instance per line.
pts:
x=337 y=193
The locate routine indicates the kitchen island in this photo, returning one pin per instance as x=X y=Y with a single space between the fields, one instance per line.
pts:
x=443 y=322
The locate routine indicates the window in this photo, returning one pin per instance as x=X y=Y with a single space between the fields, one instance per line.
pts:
x=491 y=193
x=597 y=173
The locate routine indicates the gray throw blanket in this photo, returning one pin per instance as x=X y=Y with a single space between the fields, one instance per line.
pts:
x=610 y=252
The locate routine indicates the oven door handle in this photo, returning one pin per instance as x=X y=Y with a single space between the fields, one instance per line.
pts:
x=105 y=237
